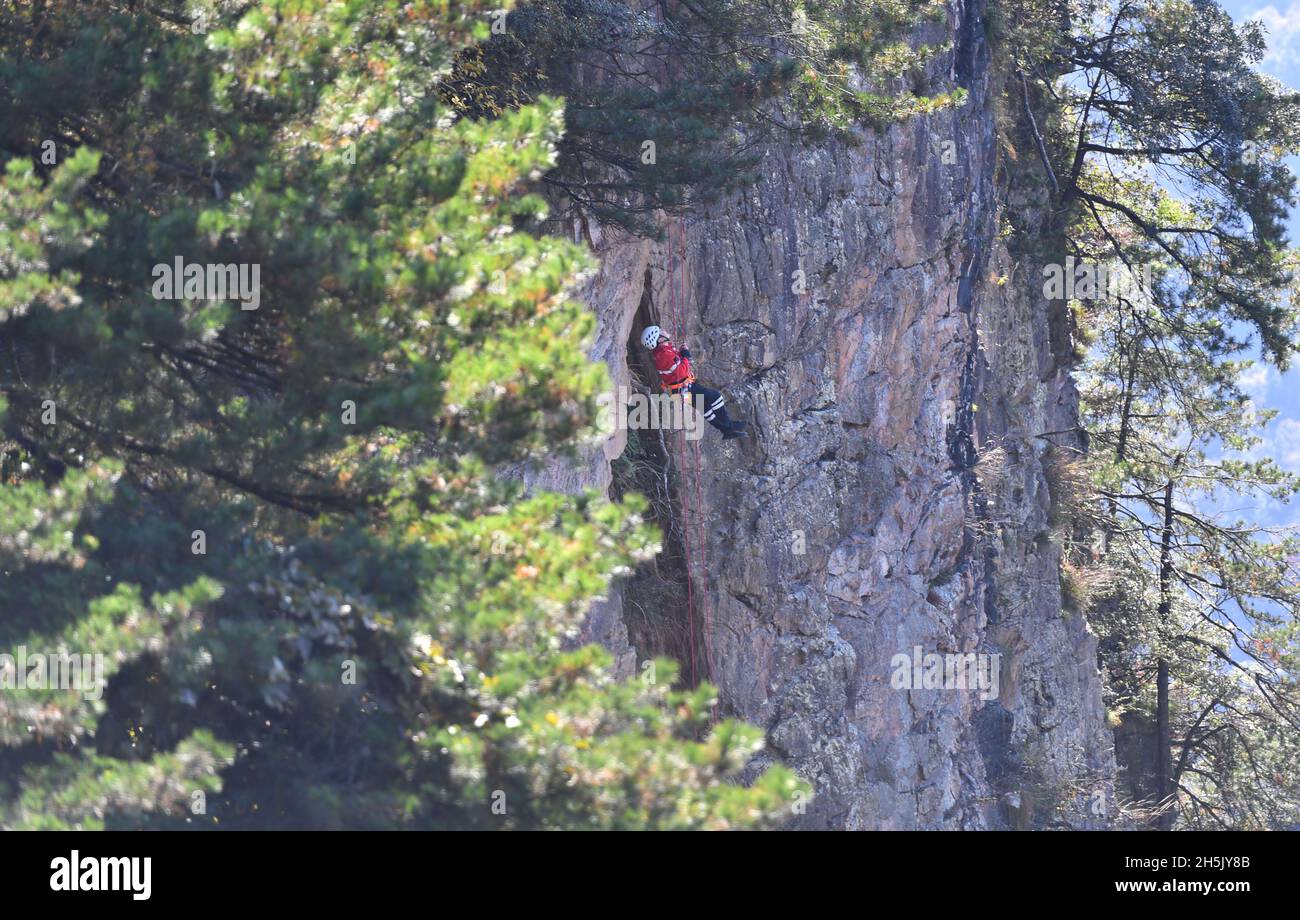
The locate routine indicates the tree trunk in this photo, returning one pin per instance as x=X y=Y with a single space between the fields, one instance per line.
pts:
x=1163 y=790
x=1164 y=783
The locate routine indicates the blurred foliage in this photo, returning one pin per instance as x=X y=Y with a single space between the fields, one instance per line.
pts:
x=381 y=630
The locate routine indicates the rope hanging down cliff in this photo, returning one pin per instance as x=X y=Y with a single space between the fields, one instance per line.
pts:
x=677 y=299
x=674 y=312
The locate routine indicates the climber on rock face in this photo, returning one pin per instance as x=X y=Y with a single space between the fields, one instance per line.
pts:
x=674 y=366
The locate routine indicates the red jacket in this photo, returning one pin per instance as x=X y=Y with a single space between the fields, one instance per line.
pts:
x=674 y=369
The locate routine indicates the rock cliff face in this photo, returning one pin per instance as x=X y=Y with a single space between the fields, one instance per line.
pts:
x=906 y=385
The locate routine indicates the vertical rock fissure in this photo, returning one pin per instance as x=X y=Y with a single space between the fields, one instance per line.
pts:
x=659 y=622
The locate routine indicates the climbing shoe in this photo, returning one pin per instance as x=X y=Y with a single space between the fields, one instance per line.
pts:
x=733 y=433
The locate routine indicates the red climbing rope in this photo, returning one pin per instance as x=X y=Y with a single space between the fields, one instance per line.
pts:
x=699 y=527
x=675 y=312
x=677 y=299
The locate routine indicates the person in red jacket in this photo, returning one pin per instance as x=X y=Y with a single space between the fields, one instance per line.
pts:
x=674 y=367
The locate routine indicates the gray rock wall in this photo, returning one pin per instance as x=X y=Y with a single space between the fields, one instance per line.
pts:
x=893 y=493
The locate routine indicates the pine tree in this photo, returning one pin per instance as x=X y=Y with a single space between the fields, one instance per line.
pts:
x=1165 y=131
x=283 y=528
x=671 y=104
x=1199 y=618
x=1164 y=150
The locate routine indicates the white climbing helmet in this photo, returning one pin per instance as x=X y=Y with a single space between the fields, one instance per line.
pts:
x=650 y=338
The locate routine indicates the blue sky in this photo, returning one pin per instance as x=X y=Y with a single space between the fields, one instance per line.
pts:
x=1266 y=386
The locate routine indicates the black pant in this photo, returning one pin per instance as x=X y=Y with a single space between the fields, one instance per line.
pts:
x=712 y=405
